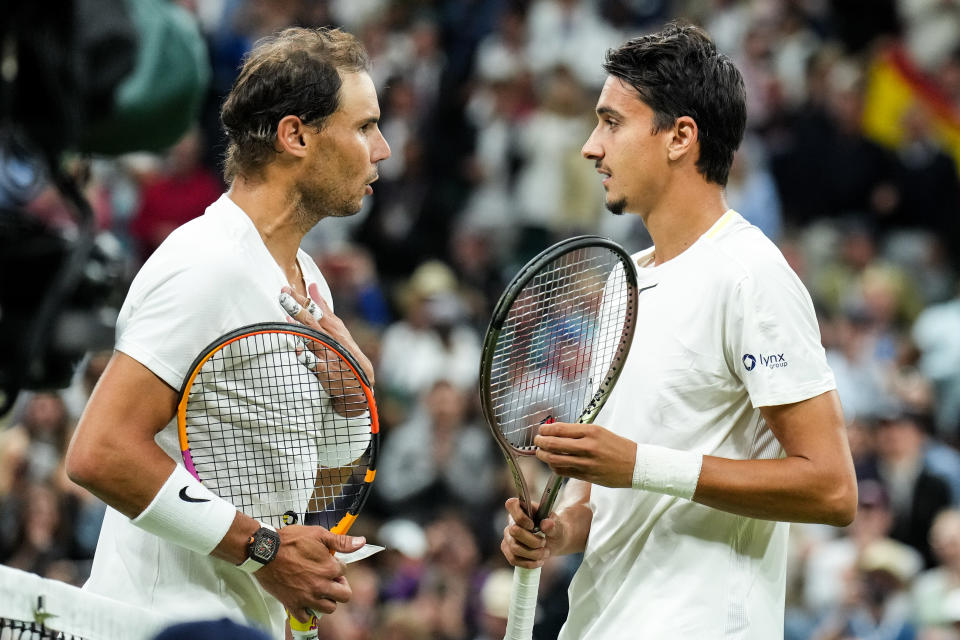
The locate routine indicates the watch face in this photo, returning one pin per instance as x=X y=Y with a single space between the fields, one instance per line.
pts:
x=264 y=547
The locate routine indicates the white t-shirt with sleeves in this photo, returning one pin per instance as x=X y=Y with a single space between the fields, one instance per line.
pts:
x=724 y=328
x=210 y=276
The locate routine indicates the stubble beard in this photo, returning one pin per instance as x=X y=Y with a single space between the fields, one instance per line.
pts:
x=314 y=203
x=617 y=207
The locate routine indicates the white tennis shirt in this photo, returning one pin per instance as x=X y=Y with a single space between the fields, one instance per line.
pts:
x=724 y=328
x=210 y=276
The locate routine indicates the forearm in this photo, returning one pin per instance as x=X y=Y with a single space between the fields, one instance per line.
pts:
x=576 y=521
x=815 y=482
x=790 y=489
x=575 y=517
x=106 y=471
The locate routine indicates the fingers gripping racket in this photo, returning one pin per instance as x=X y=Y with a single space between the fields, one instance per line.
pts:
x=554 y=349
x=280 y=420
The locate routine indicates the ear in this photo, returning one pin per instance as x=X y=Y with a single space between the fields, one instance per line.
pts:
x=685 y=136
x=291 y=134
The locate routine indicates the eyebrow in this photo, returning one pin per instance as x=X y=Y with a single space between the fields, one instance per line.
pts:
x=608 y=111
x=370 y=120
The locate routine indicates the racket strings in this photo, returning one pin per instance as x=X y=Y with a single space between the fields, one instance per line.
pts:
x=280 y=435
x=561 y=337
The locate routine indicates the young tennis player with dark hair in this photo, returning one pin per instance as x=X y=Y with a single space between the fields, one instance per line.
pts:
x=301 y=120
x=725 y=423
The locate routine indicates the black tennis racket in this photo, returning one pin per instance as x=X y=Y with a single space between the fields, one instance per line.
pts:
x=556 y=344
x=280 y=420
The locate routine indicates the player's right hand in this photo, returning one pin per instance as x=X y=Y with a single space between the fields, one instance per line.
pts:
x=521 y=546
x=305 y=574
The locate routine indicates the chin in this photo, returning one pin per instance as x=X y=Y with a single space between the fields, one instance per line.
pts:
x=617 y=207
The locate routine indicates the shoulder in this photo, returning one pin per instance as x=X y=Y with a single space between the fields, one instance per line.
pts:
x=747 y=250
x=204 y=248
x=750 y=263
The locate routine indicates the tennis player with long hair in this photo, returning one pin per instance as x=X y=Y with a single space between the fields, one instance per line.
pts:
x=725 y=423
x=301 y=120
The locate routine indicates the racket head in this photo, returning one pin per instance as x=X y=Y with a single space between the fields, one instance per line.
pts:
x=259 y=427
x=556 y=343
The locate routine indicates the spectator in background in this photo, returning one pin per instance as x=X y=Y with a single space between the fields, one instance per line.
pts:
x=752 y=191
x=497 y=112
x=933 y=586
x=936 y=333
x=876 y=603
x=48 y=428
x=927 y=185
x=75 y=397
x=916 y=494
x=355 y=285
x=40 y=540
x=831 y=565
x=14 y=466
x=860 y=371
x=477 y=255
x=449 y=589
x=503 y=52
x=495 y=604
x=438 y=459
x=825 y=166
x=432 y=341
x=181 y=192
x=556 y=192
x=571 y=34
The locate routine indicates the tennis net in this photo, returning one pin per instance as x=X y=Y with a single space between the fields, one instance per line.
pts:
x=35 y=608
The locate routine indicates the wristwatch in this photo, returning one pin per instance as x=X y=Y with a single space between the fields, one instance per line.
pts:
x=261 y=548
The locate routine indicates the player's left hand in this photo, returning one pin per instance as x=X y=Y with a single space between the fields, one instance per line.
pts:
x=587 y=452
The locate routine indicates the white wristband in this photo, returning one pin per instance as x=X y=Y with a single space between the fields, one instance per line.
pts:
x=668 y=471
x=187 y=513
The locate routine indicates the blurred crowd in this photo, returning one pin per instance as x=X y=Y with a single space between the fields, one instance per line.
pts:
x=486 y=104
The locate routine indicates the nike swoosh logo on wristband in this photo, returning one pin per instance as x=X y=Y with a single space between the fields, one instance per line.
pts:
x=186 y=498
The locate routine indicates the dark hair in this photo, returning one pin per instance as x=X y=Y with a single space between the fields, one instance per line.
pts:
x=679 y=72
x=295 y=72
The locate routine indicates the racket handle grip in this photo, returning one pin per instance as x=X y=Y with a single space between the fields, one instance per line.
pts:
x=523 y=604
x=304 y=630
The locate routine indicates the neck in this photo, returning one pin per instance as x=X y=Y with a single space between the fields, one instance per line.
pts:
x=272 y=207
x=688 y=209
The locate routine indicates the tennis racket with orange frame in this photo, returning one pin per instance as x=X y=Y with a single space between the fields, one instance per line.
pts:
x=280 y=420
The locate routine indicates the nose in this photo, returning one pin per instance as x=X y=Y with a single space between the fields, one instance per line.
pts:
x=380 y=149
x=591 y=149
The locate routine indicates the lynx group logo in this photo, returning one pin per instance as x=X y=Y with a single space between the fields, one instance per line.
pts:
x=773 y=361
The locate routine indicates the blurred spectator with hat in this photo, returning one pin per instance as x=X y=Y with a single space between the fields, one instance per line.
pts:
x=830 y=565
x=433 y=340
x=876 y=605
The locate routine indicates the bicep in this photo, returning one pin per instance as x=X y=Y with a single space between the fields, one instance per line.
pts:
x=813 y=429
